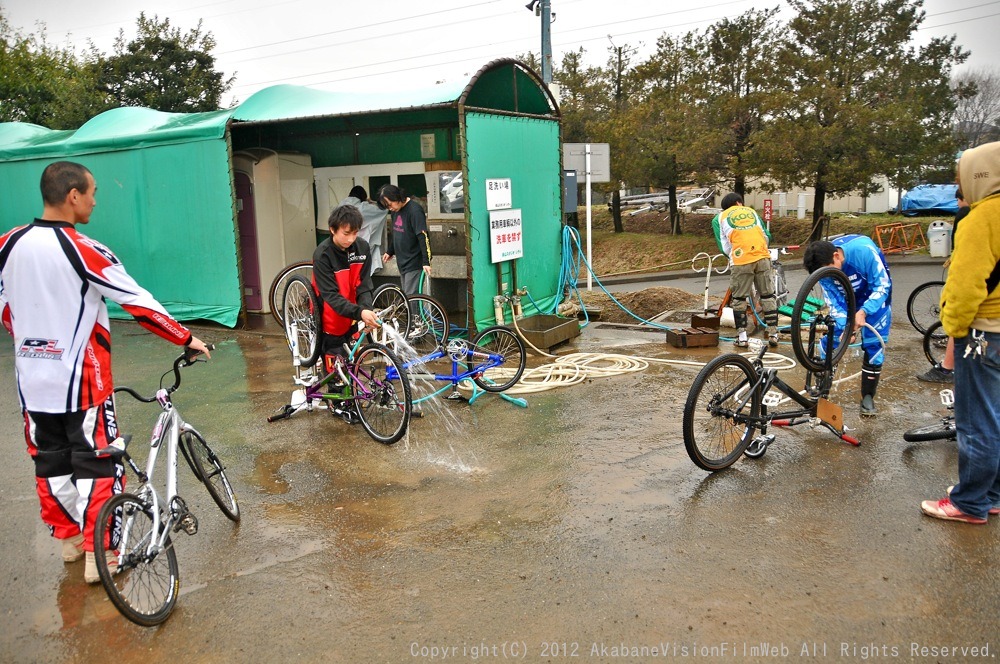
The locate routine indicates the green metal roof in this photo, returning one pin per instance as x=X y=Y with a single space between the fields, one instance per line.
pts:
x=503 y=85
x=292 y=102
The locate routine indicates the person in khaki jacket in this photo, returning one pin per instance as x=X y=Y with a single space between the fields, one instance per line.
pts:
x=970 y=312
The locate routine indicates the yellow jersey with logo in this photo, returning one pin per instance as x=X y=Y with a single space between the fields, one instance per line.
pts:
x=742 y=235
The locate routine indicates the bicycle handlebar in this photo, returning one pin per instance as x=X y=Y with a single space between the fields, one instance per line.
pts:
x=185 y=359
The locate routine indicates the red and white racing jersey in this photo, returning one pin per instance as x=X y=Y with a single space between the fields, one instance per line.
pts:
x=53 y=281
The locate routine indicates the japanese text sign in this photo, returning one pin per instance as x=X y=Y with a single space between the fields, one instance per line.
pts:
x=505 y=235
x=498 y=194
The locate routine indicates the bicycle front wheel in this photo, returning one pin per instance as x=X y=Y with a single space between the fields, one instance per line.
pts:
x=303 y=315
x=500 y=353
x=302 y=269
x=145 y=583
x=923 y=307
x=943 y=430
x=811 y=308
x=719 y=411
x=935 y=343
x=381 y=393
x=209 y=469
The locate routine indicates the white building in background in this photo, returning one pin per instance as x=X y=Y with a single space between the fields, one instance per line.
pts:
x=883 y=201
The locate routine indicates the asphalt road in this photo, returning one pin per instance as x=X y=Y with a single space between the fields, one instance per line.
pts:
x=574 y=529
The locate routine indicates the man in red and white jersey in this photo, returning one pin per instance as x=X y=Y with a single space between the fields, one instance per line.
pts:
x=53 y=282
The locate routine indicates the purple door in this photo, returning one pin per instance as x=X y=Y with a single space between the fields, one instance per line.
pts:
x=247 y=223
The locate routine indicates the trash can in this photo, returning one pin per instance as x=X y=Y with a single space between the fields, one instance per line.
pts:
x=939 y=238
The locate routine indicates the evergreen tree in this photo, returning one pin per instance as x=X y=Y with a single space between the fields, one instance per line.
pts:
x=861 y=101
x=164 y=69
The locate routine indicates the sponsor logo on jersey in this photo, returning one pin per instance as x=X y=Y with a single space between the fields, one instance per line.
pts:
x=40 y=349
x=167 y=324
x=101 y=249
x=96 y=363
x=355 y=257
x=741 y=219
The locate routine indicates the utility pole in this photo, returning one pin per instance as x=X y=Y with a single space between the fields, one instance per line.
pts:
x=546 y=42
x=543 y=8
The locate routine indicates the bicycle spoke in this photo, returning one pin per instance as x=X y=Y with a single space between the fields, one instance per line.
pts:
x=719 y=412
x=382 y=394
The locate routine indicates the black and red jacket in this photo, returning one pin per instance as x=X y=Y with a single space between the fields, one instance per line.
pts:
x=343 y=280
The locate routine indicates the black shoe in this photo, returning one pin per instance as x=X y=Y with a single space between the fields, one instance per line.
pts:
x=938 y=374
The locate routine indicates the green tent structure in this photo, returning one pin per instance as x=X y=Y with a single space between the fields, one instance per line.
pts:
x=205 y=208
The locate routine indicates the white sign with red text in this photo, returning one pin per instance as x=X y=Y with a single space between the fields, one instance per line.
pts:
x=505 y=235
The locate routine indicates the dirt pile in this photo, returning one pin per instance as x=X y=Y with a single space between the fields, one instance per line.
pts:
x=669 y=304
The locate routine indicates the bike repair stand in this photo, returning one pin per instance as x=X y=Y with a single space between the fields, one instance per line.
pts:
x=707 y=319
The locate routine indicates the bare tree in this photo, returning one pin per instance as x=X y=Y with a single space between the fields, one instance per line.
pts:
x=977 y=110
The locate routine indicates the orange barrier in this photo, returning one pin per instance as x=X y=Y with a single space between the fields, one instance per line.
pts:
x=898 y=238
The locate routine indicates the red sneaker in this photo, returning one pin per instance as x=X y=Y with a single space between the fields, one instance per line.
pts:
x=993 y=510
x=943 y=509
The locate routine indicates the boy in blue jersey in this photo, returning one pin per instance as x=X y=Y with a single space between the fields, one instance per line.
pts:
x=866 y=268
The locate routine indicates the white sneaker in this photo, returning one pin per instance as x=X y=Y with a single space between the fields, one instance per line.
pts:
x=72 y=548
x=90 y=573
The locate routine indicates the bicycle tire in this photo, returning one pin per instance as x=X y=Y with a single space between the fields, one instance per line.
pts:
x=935 y=343
x=392 y=307
x=500 y=340
x=943 y=430
x=382 y=395
x=143 y=589
x=280 y=282
x=303 y=316
x=211 y=472
x=715 y=442
x=429 y=326
x=808 y=356
x=923 y=306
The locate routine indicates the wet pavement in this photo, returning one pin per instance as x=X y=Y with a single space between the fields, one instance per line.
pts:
x=576 y=528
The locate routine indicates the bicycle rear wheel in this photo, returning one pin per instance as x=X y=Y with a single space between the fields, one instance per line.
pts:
x=209 y=469
x=381 y=393
x=718 y=410
x=302 y=269
x=943 y=430
x=502 y=353
x=429 y=325
x=811 y=307
x=303 y=315
x=392 y=308
x=935 y=343
x=144 y=585
x=923 y=307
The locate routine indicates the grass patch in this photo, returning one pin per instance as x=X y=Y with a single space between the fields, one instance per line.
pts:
x=647 y=246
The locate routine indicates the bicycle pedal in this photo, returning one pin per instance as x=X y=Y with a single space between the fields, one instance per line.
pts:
x=947 y=397
x=771 y=398
x=188 y=523
x=348 y=416
x=763 y=440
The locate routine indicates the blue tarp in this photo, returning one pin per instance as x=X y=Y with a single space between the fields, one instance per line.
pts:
x=930 y=199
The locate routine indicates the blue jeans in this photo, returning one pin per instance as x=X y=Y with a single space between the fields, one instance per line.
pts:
x=977 y=421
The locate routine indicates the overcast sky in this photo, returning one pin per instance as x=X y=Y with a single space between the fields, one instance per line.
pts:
x=342 y=44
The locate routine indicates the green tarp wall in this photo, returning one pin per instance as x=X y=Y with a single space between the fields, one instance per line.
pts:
x=164 y=201
x=526 y=150
x=158 y=226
